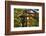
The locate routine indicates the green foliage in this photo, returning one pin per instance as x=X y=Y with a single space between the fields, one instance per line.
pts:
x=17 y=19
x=34 y=21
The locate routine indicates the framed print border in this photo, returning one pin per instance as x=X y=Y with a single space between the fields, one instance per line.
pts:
x=8 y=17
